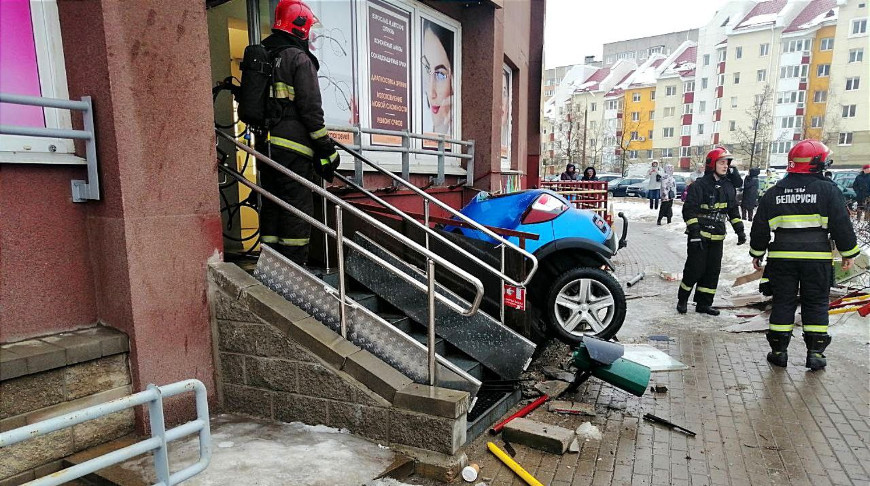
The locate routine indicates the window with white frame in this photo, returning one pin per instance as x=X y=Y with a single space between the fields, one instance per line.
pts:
x=791 y=122
x=649 y=135
x=593 y=125
x=845 y=138
x=856 y=55
x=732 y=125
x=635 y=97
x=717 y=104
x=827 y=44
x=738 y=52
x=817 y=121
x=652 y=95
x=823 y=70
x=706 y=61
x=763 y=50
x=32 y=61
x=670 y=90
x=632 y=154
x=716 y=127
x=685 y=151
x=797 y=45
x=669 y=111
x=703 y=83
x=733 y=102
x=634 y=136
x=792 y=71
x=849 y=111
x=702 y=107
x=667 y=132
x=761 y=75
x=736 y=78
x=667 y=153
x=686 y=130
x=820 y=96
x=635 y=116
x=722 y=55
x=687 y=108
x=781 y=147
x=720 y=80
x=852 y=83
x=700 y=129
x=859 y=26
x=652 y=114
x=759 y=99
x=688 y=86
x=611 y=105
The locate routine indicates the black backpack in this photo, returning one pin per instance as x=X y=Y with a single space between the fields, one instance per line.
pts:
x=253 y=94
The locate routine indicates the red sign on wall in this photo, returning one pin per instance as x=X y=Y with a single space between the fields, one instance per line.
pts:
x=515 y=297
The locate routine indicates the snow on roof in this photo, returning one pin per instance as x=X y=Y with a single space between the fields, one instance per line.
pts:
x=594 y=81
x=763 y=13
x=688 y=55
x=688 y=73
x=722 y=44
x=682 y=60
x=813 y=14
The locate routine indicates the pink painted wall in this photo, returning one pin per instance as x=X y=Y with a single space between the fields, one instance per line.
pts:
x=20 y=74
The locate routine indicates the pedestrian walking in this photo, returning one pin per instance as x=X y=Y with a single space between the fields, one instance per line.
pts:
x=862 y=193
x=801 y=210
x=668 y=190
x=298 y=140
x=750 y=194
x=589 y=174
x=710 y=203
x=653 y=190
x=570 y=173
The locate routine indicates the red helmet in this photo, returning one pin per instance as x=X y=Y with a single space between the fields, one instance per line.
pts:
x=714 y=156
x=808 y=156
x=294 y=17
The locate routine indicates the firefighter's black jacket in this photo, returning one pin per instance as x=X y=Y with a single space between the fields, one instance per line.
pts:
x=296 y=92
x=709 y=204
x=801 y=210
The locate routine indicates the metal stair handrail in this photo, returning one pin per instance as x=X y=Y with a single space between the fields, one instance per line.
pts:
x=158 y=443
x=341 y=205
x=428 y=198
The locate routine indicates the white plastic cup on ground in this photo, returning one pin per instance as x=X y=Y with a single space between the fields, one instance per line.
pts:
x=470 y=472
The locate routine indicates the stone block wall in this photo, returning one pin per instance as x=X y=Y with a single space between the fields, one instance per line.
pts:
x=277 y=362
x=47 y=377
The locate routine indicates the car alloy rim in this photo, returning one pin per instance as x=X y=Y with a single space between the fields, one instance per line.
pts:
x=584 y=306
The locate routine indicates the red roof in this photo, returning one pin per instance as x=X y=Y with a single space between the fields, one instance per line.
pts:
x=596 y=79
x=763 y=8
x=658 y=62
x=689 y=55
x=687 y=74
x=812 y=10
x=626 y=77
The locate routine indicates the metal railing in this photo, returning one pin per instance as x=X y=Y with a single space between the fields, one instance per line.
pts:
x=82 y=190
x=160 y=437
x=406 y=150
x=342 y=241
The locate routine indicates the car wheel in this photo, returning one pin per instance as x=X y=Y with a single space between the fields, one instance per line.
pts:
x=585 y=301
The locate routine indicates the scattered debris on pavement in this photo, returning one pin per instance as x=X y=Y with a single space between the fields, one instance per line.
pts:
x=651 y=357
x=634 y=280
x=552 y=388
x=572 y=408
x=587 y=431
x=538 y=435
x=652 y=418
x=641 y=296
x=749 y=277
x=658 y=389
x=513 y=465
x=671 y=276
x=558 y=374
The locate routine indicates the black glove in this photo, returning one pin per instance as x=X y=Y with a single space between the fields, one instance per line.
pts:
x=741 y=238
x=325 y=165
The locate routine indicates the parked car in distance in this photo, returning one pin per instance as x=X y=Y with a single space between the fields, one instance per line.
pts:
x=844 y=180
x=617 y=187
x=608 y=177
x=640 y=189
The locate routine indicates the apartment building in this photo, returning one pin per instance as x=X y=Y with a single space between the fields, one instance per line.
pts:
x=762 y=76
x=640 y=49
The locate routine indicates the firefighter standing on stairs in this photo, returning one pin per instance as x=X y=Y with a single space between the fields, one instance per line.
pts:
x=801 y=210
x=298 y=140
x=710 y=203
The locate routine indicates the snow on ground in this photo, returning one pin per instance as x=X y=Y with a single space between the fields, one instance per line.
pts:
x=255 y=452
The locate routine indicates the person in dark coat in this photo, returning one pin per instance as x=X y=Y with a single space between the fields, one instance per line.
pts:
x=750 y=194
x=570 y=173
x=589 y=174
x=862 y=192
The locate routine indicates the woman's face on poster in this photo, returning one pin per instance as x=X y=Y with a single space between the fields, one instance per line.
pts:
x=438 y=74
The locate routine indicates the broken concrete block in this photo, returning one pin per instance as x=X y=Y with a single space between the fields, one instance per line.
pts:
x=587 y=431
x=575 y=446
x=558 y=374
x=572 y=408
x=552 y=388
x=537 y=435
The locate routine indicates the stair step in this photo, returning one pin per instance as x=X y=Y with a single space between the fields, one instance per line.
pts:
x=489 y=407
x=440 y=345
x=365 y=299
x=112 y=475
x=470 y=366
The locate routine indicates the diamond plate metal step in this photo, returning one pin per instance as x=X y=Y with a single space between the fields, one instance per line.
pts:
x=364 y=328
x=480 y=336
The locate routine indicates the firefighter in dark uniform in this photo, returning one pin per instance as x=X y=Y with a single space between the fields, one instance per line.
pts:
x=710 y=203
x=801 y=210
x=297 y=139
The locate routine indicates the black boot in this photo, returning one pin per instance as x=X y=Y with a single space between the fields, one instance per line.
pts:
x=682 y=307
x=706 y=309
x=816 y=343
x=778 y=340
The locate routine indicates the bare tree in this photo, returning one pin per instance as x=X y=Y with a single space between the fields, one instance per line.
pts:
x=753 y=140
x=828 y=130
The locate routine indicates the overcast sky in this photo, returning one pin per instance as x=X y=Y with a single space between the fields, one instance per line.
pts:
x=578 y=28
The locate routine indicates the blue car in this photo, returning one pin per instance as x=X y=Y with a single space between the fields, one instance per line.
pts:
x=573 y=294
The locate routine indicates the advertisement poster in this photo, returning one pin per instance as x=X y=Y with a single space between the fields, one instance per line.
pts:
x=332 y=43
x=389 y=71
x=437 y=68
x=20 y=74
x=506 y=103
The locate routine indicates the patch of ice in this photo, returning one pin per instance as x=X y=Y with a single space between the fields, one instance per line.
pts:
x=226 y=444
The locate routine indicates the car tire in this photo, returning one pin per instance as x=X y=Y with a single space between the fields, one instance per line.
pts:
x=585 y=301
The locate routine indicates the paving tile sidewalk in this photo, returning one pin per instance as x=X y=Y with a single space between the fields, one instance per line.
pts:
x=755 y=425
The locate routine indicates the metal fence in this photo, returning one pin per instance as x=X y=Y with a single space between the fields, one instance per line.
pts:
x=160 y=437
x=82 y=190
